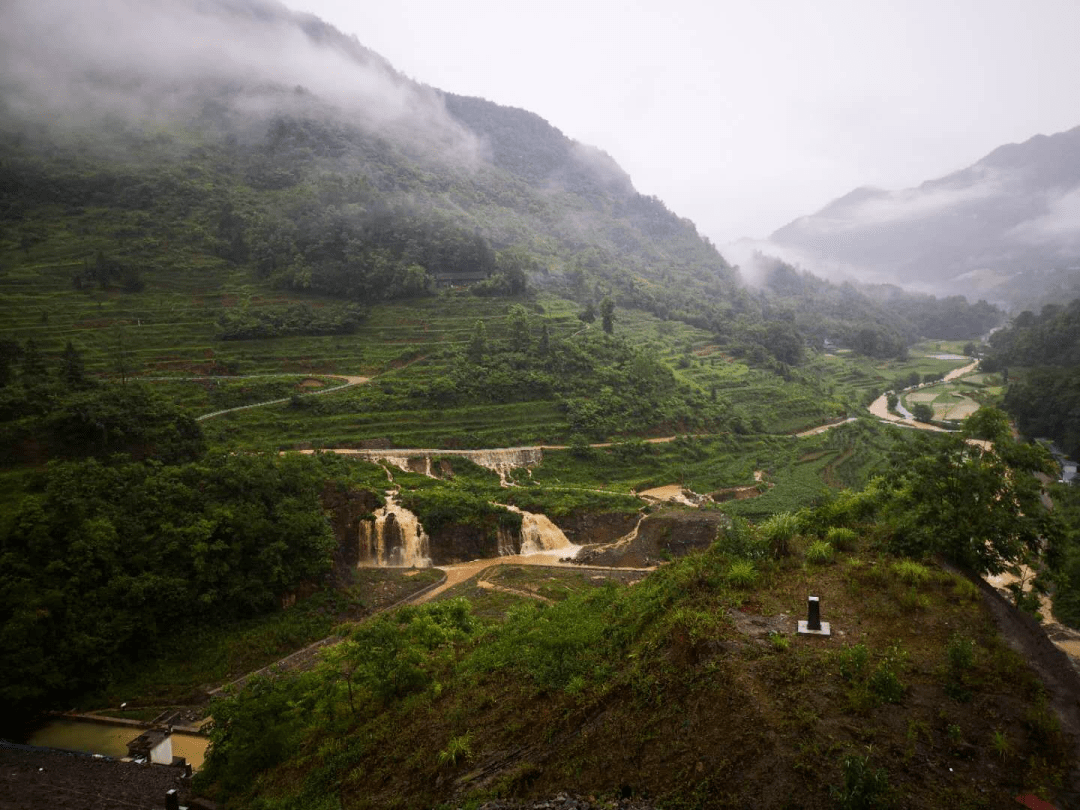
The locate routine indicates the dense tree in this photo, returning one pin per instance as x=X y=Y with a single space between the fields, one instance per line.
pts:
x=607 y=315
x=32 y=365
x=977 y=503
x=477 y=343
x=543 y=346
x=1039 y=358
x=72 y=369
x=10 y=352
x=922 y=411
x=518 y=328
x=105 y=561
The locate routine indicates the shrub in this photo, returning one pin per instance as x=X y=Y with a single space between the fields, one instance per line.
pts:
x=853 y=662
x=911 y=572
x=780 y=641
x=1001 y=744
x=886 y=684
x=964 y=590
x=864 y=787
x=911 y=600
x=740 y=539
x=459 y=748
x=961 y=652
x=842 y=539
x=885 y=681
x=779 y=531
x=819 y=553
x=742 y=574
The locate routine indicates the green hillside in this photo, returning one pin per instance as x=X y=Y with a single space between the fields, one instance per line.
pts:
x=198 y=277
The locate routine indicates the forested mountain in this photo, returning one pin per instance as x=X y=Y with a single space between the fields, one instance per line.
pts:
x=1041 y=355
x=325 y=171
x=996 y=229
x=874 y=320
x=229 y=232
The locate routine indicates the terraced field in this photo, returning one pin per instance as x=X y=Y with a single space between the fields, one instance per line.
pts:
x=170 y=331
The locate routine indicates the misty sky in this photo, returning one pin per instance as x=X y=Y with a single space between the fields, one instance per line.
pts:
x=744 y=115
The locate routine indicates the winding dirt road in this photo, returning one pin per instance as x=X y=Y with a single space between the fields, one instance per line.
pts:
x=880 y=406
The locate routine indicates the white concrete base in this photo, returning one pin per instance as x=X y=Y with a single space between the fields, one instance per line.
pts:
x=805 y=631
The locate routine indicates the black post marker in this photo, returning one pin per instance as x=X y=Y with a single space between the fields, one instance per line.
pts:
x=813 y=625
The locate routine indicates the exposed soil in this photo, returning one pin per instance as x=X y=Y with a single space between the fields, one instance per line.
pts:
x=823 y=428
x=672 y=493
x=658 y=537
x=1058 y=674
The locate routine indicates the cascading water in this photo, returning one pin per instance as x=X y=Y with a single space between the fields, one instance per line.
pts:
x=501 y=461
x=509 y=542
x=394 y=538
x=504 y=461
x=539 y=534
x=630 y=537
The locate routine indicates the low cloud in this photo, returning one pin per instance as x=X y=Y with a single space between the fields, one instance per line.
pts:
x=151 y=59
x=907 y=205
x=1061 y=221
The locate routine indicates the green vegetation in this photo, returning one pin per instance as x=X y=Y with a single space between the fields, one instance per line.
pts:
x=217 y=653
x=152 y=274
x=820 y=552
x=864 y=788
x=451 y=692
x=104 y=562
x=874 y=321
x=1038 y=356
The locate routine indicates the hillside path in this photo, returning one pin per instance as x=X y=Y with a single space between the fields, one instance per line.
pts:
x=349 y=382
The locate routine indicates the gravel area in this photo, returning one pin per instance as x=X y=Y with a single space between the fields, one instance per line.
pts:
x=33 y=779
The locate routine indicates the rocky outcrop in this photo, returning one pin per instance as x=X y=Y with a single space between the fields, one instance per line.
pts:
x=456 y=543
x=347 y=507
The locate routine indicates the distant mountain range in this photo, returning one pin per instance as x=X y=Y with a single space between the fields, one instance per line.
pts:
x=1006 y=228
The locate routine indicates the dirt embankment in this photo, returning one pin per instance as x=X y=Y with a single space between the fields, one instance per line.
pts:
x=658 y=537
x=587 y=528
x=1030 y=640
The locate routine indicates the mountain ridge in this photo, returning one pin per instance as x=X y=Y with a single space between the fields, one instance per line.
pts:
x=1012 y=212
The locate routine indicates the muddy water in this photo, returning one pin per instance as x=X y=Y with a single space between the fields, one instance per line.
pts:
x=111 y=741
x=1067 y=639
x=394 y=538
x=456 y=574
x=539 y=535
x=880 y=407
